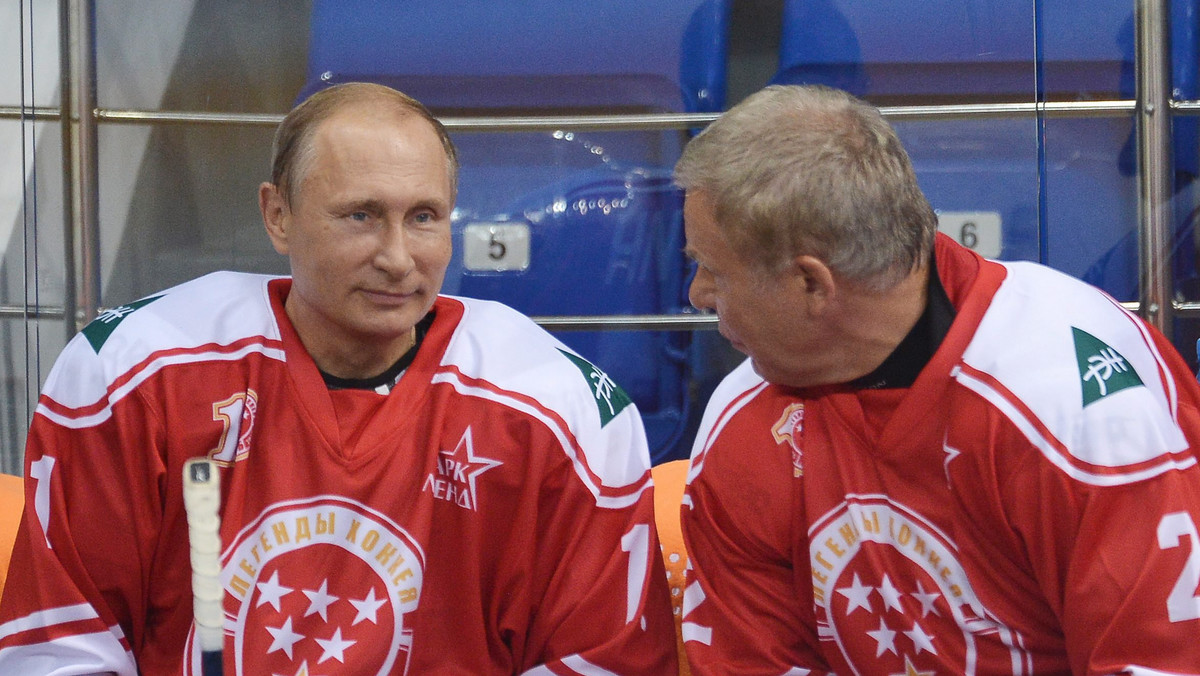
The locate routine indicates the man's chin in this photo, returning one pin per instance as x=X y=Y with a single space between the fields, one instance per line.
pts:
x=387 y=329
x=758 y=369
x=776 y=376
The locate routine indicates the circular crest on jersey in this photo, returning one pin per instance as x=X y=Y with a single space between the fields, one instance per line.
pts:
x=321 y=586
x=890 y=592
x=790 y=428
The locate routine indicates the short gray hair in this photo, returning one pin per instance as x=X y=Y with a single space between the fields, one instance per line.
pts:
x=810 y=170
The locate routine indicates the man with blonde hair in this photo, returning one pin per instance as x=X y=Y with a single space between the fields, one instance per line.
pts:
x=931 y=463
x=411 y=482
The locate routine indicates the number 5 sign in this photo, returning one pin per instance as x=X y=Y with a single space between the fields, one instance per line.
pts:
x=496 y=247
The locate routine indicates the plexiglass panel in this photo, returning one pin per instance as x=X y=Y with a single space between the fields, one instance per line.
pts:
x=32 y=270
x=573 y=221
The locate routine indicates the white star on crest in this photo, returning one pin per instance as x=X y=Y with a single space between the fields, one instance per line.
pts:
x=911 y=670
x=920 y=639
x=857 y=593
x=885 y=639
x=891 y=595
x=320 y=600
x=271 y=592
x=927 y=599
x=476 y=465
x=301 y=671
x=283 y=638
x=367 y=608
x=334 y=647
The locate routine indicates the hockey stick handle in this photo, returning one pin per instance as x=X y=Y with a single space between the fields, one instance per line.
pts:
x=201 y=503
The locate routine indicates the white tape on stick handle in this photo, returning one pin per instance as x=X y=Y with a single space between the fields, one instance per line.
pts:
x=202 y=503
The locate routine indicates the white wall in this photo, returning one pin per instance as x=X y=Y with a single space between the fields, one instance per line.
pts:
x=32 y=265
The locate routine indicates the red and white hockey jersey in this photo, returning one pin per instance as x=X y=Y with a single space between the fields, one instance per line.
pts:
x=1029 y=506
x=492 y=515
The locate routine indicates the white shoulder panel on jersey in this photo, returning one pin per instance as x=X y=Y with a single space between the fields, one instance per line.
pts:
x=1078 y=375
x=505 y=349
x=731 y=394
x=219 y=315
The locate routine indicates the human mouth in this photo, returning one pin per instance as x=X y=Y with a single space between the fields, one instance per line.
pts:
x=732 y=341
x=384 y=297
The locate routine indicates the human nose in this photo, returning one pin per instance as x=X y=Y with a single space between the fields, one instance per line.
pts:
x=700 y=291
x=394 y=252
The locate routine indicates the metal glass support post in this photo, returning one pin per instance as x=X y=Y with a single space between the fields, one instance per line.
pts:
x=1155 y=162
x=65 y=84
x=77 y=28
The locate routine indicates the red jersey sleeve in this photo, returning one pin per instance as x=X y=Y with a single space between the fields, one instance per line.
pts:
x=1119 y=564
x=1113 y=548
x=606 y=608
x=76 y=583
x=746 y=609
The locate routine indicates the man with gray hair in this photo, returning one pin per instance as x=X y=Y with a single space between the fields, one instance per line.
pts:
x=930 y=462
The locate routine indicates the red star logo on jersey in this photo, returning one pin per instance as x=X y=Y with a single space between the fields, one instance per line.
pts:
x=456 y=473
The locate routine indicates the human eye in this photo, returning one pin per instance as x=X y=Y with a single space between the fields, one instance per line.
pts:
x=695 y=262
x=358 y=215
x=425 y=217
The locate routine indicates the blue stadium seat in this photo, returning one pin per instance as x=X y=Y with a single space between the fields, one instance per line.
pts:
x=1061 y=191
x=562 y=222
x=609 y=242
x=466 y=54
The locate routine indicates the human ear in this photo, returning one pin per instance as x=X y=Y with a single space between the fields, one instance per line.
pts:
x=275 y=215
x=813 y=281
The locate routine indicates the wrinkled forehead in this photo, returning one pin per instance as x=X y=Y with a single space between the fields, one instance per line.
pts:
x=356 y=139
x=708 y=232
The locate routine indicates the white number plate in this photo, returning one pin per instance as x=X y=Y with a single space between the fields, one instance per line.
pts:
x=976 y=230
x=496 y=247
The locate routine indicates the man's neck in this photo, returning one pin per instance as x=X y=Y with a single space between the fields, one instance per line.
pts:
x=341 y=354
x=874 y=323
x=386 y=380
x=901 y=368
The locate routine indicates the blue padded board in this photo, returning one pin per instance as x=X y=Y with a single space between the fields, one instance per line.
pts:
x=663 y=55
x=538 y=57
x=607 y=242
x=1065 y=189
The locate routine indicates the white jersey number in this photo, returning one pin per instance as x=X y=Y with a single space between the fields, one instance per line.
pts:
x=1183 y=603
x=637 y=543
x=40 y=471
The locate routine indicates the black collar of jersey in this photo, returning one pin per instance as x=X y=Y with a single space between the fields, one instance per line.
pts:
x=904 y=364
x=391 y=376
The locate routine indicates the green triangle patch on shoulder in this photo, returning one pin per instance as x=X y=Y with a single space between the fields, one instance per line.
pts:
x=610 y=398
x=1102 y=370
x=100 y=328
